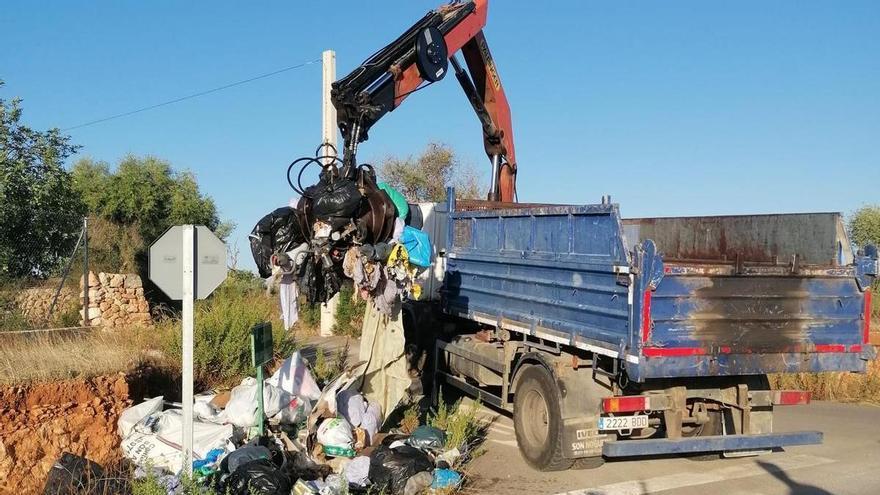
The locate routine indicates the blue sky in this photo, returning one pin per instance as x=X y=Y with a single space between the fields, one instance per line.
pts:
x=673 y=108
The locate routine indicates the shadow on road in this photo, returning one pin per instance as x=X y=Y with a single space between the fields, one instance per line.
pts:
x=794 y=487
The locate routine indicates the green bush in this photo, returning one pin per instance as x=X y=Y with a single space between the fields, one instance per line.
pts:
x=222 y=331
x=349 y=312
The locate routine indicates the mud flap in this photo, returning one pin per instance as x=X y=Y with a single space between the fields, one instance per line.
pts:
x=581 y=438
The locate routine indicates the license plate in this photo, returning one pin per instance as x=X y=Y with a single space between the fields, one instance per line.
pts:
x=623 y=422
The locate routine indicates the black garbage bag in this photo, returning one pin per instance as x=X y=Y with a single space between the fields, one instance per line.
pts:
x=257 y=477
x=72 y=474
x=340 y=198
x=279 y=231
x=391 y=468
x=301 y=467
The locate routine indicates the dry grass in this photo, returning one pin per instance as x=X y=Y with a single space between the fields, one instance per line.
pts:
x=841 y=387
x=27 y=358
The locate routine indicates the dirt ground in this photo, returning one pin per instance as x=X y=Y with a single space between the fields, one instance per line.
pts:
x=39 y=422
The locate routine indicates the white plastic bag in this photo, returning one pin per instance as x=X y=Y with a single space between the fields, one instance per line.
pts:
x=133 y=415
x=335 y=432
x=293 y=412
x=157 y=441
x=242 y=407
x=295 y=378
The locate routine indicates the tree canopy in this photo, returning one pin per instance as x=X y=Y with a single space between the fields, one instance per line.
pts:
x=426 y=177
x=40 y=212
x=864 y=226
x=135 y=203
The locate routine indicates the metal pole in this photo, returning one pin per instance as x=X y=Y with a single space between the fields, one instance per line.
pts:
x=85 y=238
x=329 y=131
x=329 y=134
x=493 y=185
x=189 y=257
x=260 y=407
x=64 y=275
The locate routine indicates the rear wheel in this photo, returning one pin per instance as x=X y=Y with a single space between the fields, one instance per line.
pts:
x=537 y=420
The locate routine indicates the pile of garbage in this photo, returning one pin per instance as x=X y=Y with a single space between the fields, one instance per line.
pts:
x=346 y=225
x=325 y=442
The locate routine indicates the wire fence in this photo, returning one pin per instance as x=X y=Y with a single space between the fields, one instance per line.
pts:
x=40 y=288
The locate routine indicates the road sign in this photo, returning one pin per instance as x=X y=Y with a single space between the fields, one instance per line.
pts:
x=261 y=344
x=166 y=262
x=187 y=262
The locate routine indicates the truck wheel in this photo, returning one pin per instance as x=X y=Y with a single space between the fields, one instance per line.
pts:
x=537 y=420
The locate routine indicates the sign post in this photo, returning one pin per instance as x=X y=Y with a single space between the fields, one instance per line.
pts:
x=261 y=353
x=187 y=262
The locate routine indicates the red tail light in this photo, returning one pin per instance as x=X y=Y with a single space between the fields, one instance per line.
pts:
x=646 y=316
x=791 y=397
x=626 y=404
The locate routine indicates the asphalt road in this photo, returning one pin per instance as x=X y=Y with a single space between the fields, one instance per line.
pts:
x=847 y=463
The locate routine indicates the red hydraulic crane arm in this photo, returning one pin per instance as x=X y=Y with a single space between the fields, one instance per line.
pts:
x=419 y=57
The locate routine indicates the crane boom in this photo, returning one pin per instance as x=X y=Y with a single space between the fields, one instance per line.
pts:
x=419 y=57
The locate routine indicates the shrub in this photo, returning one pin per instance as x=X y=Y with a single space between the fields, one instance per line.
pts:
x=349 y=312
x=222 y=331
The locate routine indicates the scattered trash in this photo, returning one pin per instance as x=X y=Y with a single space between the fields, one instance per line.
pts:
x=294 y=377
x=72 y=474
x=390 y=468
x=154 y=440
x=418 y=244
x=336 y=436
x=417 y=483
x=242 y=407
x=257 y=477
x=358 y=471
x=133 y=415
x=449 y=457
x=247 y=454
x=445 y=478
x=427 y=438
x=398 y=199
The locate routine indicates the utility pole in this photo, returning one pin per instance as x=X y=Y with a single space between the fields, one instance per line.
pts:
x=328 y=141
x=85 y=237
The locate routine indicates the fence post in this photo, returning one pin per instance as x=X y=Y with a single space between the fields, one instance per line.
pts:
x=85 y=237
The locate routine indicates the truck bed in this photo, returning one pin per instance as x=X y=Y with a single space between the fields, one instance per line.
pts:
x=673 y=297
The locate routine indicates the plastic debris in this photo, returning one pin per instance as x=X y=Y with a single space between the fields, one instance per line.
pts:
x=294 y=377
x=358 y=471
x=247 y=454
x=335 y=432
x=75 y=474
x=391 y=468
x=257 y=477
x=241 y=410
x=427 y=438
x=417 y=483
x=445 y=478
x=449 y=457
x=135 y=414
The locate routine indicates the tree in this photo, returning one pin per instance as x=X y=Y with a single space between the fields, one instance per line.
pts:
x=137 y=202
x=426 y=177
x=864 y=226
x=40 y=211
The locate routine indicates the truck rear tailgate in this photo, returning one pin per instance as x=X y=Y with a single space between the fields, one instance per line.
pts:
x=752 y=294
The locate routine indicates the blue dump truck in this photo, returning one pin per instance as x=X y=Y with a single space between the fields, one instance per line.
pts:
x=608 y=337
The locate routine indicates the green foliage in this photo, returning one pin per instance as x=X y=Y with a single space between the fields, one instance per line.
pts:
x=460 y=423
x=426 y=177
x=326 y=369
x=309 y=314
x=410 y=420
x=349 y=312
x=143 y=190
x=40 y=213
x=864 y=226
x=135 y=203
x=222 y=331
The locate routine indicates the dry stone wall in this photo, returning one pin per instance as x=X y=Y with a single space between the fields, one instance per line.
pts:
x=34 y=303
x=117 y=300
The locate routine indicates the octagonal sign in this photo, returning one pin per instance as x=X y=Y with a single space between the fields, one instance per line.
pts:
x=166 y=262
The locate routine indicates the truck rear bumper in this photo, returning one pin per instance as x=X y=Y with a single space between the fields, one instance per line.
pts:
x=720 y=443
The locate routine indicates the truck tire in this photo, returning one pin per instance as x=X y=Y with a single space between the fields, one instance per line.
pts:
x=537 y=420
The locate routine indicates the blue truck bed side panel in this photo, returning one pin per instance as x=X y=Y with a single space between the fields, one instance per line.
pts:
x=553 y=273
